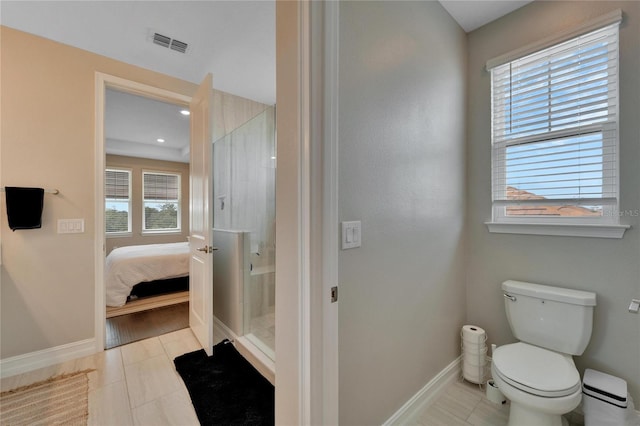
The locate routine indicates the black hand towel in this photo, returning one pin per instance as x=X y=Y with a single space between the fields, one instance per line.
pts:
x=24 y=207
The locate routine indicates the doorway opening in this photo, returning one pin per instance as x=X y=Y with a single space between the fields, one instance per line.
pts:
x=146 y=217
x=242 y=206
x=141 y=201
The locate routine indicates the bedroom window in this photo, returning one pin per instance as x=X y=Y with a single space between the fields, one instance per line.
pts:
x=117 y=201
x=555 y=134
x=161 y=202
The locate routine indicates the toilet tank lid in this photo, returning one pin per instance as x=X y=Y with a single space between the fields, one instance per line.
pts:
x=558 y=294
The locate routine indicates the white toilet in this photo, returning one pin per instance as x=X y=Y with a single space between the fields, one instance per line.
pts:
x=538 y=374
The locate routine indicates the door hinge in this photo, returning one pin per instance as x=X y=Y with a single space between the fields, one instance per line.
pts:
x=334 y=294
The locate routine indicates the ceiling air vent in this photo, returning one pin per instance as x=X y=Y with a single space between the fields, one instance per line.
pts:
x=173 y=44
x=178 y=46
x=161 y=40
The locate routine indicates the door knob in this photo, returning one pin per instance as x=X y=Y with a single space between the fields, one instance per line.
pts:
x=207 y=249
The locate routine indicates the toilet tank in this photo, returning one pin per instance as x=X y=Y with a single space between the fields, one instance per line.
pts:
x=555 y=318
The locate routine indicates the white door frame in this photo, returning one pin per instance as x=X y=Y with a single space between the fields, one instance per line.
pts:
x=307 y=218
x=102 y=82
x=293 y=393
x=328 y=151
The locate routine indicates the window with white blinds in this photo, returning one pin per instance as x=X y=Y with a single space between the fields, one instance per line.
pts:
x=117 y=200
x=555 y=133
x=161 y=201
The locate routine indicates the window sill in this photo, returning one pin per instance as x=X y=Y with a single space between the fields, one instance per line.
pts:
x=164 y=232
x=119 y=234
x=593 y=231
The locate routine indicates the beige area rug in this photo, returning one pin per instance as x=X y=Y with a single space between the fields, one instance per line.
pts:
x=59 y=400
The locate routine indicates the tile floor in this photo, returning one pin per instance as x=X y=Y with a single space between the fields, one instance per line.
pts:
x=465 y=404
x=137 y=384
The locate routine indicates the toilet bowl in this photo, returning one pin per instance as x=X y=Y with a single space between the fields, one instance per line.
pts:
x=542 y=385
x=537 y=374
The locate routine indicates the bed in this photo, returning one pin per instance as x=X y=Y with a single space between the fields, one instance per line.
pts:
x=126 y=267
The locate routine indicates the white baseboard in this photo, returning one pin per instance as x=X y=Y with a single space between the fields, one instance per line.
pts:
x=408 y=413
x=413 y=407
x=32 y=361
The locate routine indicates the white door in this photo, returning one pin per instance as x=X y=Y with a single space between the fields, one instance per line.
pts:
x=201 y=223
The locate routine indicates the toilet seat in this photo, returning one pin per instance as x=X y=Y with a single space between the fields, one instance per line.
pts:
x=536 y=370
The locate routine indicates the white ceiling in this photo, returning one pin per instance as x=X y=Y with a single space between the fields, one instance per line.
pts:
x=133 y=125
x=472 y=14
x=234 y=40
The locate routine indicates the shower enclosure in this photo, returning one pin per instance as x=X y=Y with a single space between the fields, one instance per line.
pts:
x=244 y=164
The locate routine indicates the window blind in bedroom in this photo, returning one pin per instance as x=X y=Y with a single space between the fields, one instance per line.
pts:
x=161 y=187
x=161 y=201
x=117 y=201
x=117 y=184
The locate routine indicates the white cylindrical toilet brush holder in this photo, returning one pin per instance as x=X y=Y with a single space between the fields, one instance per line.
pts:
x=493 y=393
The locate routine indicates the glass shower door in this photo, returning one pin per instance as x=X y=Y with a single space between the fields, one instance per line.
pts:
x=244 y=193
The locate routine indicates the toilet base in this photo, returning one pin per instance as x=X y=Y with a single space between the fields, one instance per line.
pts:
x=520 y=415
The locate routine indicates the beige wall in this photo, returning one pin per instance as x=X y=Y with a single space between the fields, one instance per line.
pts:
x=47 y=136
x=48 y=108
x=137 y=166
x=401 y=172
x=611 y=268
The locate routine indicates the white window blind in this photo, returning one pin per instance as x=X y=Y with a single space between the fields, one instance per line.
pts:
x=554 y=130
x=161 y=200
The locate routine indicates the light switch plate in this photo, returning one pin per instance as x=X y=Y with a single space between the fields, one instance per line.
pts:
x=351 y=234
x=70 y=226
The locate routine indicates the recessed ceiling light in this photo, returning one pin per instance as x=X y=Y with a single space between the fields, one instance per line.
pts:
x=160 y=140
x=185 y=112
x=273 y=158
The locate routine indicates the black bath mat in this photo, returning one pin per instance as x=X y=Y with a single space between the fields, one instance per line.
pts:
x=225 y=388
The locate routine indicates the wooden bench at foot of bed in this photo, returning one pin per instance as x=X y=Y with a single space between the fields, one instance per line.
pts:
x=154 y=294
x=147 y=303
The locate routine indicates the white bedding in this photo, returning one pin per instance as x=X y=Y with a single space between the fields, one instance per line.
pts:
x=128 y=266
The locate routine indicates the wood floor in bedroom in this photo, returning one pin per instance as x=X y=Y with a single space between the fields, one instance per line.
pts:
x=129 y=328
